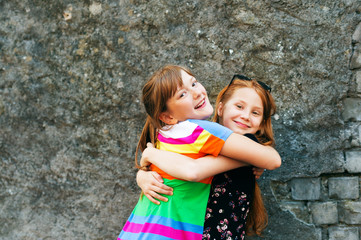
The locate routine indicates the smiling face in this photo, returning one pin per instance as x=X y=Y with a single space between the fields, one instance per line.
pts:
x=243 y=112
x=189 y=102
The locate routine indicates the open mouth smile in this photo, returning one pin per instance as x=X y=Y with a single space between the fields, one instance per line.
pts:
x=201 y=104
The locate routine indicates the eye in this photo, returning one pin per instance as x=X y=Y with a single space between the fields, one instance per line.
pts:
x=182 y=94
x=256 y=113
x=194 y=84
x=239 y=106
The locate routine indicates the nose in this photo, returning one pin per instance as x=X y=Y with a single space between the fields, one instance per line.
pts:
x=245 y=115
x=196 y=93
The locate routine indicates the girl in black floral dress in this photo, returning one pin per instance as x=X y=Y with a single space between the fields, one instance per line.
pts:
x=235 y=205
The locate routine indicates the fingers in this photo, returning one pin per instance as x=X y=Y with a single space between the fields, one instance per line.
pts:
x=154 y=194
x=159 y=197
x=153 y=187
x=162 y=189
x=151 y=198
x=157 y=177
x=258 y=172
x=158 y=185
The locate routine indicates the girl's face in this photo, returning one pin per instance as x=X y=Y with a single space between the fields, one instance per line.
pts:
x=243 y=112
x=189 y=102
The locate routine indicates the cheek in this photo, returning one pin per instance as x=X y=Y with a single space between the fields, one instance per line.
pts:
x=228 y=122
x=182 y=104
x=257 y=123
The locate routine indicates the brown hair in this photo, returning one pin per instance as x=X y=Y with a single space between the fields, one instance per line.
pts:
x=257 y=218
x=160 y=87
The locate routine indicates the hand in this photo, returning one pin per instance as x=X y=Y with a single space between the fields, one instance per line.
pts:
x=258 y=172
x=152 y=186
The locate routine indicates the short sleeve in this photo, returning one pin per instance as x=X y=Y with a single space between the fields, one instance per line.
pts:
x=214 y=138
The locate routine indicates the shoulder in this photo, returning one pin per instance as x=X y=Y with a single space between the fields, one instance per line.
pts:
x=212 y=127
x=207 y=124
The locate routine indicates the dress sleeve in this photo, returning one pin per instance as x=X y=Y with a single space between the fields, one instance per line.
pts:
x=213 y=136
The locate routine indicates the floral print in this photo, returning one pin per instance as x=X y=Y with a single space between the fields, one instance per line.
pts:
x=228 y=205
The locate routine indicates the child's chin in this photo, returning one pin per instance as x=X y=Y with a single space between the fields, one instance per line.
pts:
x=206 y=117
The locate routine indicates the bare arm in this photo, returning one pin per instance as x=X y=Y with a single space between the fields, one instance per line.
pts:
x=182 y=167
x=152 y=185
x=236 y=146
x=244 y=149
x=186 y=168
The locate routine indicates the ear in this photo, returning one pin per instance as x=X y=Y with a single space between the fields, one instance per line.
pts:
x=167 y=118
x=220 y=109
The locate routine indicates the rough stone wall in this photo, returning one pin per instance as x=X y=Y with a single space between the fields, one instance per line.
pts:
x=70 y=111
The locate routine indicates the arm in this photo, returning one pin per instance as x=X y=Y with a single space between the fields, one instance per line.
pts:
x=186 y=168
x=151 y=183
x=242 y=148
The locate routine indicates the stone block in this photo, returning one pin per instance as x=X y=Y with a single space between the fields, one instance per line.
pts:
x=306 y=188
x=356 y=36
x=352 y=109
x=343 y=187
x=352 y=134
x=353 y=161
x=324 y=213
x=318 y=233
x=355 y=61
x=297 y=209
x=343 y=233
x=350 y=212
x=358 y=81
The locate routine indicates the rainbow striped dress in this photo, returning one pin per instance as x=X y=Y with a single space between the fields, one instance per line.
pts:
x=182 y=217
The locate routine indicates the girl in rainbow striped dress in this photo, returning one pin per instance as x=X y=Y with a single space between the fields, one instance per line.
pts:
x=176 y=105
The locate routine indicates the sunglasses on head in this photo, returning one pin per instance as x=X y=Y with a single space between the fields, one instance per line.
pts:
x=242 y=77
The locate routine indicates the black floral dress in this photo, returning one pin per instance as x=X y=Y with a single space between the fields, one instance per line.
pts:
x=228 y=204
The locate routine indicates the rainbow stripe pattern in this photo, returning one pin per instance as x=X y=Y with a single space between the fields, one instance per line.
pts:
x=182 y=217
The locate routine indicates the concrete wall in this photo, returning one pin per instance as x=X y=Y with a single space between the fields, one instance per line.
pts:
x=70 y=111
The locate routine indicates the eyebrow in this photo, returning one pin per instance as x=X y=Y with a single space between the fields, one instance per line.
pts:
x=256 y=107
x=179 y=89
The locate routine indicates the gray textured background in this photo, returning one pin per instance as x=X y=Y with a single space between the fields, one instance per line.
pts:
x=70 y=113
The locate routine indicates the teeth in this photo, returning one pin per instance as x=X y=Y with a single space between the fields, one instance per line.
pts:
x=200 y=104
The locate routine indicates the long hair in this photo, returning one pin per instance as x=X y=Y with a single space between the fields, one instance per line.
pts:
x=160 y=87
x=257 y=218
